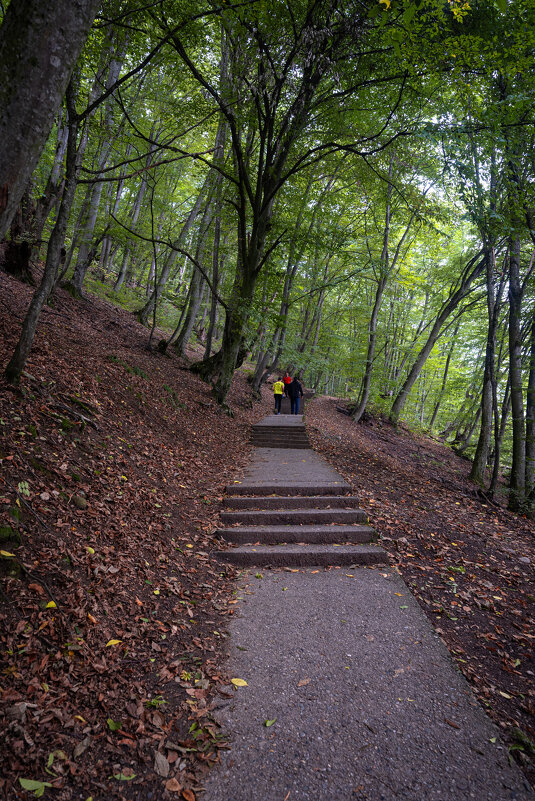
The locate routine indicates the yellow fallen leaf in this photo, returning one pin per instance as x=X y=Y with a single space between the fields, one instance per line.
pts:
x=505 y=695
x=89 y=549
x=314 y=571
x=239 y=682
x=6 y=553
x=399 y=593
x=91 y=618
x=80 y=718
x=188 y=545
x=51 y=605
x=113 y=642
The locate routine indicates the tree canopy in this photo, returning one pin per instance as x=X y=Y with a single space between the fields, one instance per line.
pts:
x=341 y=189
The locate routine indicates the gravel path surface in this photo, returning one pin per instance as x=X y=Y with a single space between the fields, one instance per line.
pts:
x=367 y=702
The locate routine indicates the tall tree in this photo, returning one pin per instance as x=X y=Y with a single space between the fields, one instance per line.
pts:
x=39 y=46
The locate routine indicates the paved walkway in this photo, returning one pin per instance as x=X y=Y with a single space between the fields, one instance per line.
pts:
x=366 y=702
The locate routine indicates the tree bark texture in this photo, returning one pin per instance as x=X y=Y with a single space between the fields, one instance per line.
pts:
x=39 y=45
x=479 y=465
x=517 y=490
x=53 y=258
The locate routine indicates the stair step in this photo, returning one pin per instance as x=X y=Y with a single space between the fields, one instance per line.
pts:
x=285 y=445
x=308 y=534
x=264 y=436
x=297 y=428
x=276 y=440
x=293 y=516
x=281 y=419
x=300 y=502
x=303 y=555
x=285 y=488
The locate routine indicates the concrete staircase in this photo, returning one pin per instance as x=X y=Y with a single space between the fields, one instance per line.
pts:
x=280 y=431
x=293 y=509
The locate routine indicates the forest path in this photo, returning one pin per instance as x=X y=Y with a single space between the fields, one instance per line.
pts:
x=362 y=698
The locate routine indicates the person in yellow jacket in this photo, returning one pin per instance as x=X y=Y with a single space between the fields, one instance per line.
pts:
x=278 y=389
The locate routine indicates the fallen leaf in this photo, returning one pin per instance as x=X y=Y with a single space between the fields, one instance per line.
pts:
x=303 y=682
x=113 y=642
x=161 y=765
x=189 y=795
x=173 y=786
x=268 y=723
x=239 y=682
x=81 y=747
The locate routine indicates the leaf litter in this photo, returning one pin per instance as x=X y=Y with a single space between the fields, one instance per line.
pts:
x=111 y=607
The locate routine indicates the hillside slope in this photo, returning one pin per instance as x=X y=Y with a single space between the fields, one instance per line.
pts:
x=113 y=461
x=469 y=563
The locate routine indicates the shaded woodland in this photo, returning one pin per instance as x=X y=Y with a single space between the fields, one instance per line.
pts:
x=344 y=190
x=195 y=197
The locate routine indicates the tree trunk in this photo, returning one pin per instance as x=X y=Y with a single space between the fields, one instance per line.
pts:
x=144 y=313
x=40 y=43
x=53 y=258
x=499 y=431
x=472 y=271
x=518 y=469
x=530 y=419
x=479 y=466
x=217 y=269
x=181 y=338
x=444 y=377
x=372 y=333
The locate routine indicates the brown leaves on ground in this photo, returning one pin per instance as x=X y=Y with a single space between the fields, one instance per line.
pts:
x=112 y=611
x=469 y=563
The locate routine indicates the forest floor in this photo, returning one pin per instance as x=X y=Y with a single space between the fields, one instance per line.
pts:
x=469 y=563
x=112 y=611
x=113 y=461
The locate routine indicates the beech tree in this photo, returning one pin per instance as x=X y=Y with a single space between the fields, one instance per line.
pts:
x=39 y=45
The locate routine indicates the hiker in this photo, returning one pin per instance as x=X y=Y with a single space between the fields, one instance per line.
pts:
x=278 y=389
x=294 y=390
x=287 y=380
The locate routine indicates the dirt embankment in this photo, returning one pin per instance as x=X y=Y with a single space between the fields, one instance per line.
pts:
x=112 y=613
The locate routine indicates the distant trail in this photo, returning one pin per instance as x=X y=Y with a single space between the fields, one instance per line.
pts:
x=366 y=701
